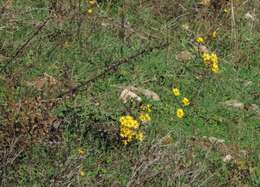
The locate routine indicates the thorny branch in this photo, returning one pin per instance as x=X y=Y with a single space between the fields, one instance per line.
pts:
x=24 y=45
x=112 y=67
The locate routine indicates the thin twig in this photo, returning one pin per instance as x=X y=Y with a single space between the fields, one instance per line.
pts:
x=110 y=68
x=22 y=47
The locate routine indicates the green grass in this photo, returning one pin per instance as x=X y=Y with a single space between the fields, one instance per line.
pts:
x=90 y=118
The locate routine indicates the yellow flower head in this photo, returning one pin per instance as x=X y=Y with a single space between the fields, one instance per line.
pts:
x=144 y=117
x=92 y=2
x=214 y=58
x=146 y=108
x=226 y=10
x=140 y=136
x=129 y=122
x=180 y=113
x=81 y=151
x=125 y=142
x=210 y=58
x=185 y=101
x=200 y=40
x=129 y=128
x=214 y=34
x=90 y=11
x=206 y=58
x=215 y=68
x=82 y=173
x=176 y=92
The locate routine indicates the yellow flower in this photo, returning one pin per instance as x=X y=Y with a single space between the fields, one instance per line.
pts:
x=226 y=10
x=92 y=2
x=125 y=142
x=214 y=34
x=206 y=58
x=176 y=92
x=146 y=108
x=200 y=40
x=129 y=128
x=210 y=58
x=82 y=173
x=125 y=132
x=215 y=68
x=90 y=11
x=81 y=151
x=144 y=117
x=140 y=136
x=214 y=58
x=185 y=101
x=129 y=121
x=180 y=113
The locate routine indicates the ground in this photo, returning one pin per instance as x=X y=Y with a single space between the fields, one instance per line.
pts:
x=66 y=64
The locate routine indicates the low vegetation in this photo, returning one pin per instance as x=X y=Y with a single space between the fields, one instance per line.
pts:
x=129 y=93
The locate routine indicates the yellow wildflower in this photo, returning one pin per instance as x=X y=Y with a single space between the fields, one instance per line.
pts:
x=206 y=58
x=214 y=34
x=82 y=173
x=180 y=113
x=144 y=117
x=226 y=10
x=92 y=2
x=200 y=40
x=215 y=68
x=210 y=58
x=129 y=121
x=176 y=92
x=185 y=101
x=140 y=136
x=125 y=142
x=81 y=151
x=125 y=132
x=129 y=128
x=146 y=108
x=90 y=11
x=214 y=58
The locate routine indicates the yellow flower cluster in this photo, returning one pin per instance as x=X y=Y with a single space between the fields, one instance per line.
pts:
x=185 y=102
x=91 y=3
x=200 y=40
x=82 y=173
x=81 y=151
x=129 y=129
x=180 y=113
x=146 y=108
x=211 y=60
x=214 y=34
x=176 y=92
x=144 y=117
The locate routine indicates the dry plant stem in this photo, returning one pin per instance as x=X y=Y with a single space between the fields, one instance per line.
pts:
x=110 y=68
x=79 y=25
x=152 y=157
x=25 y=44
x=233 y=29
x=122 y=30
